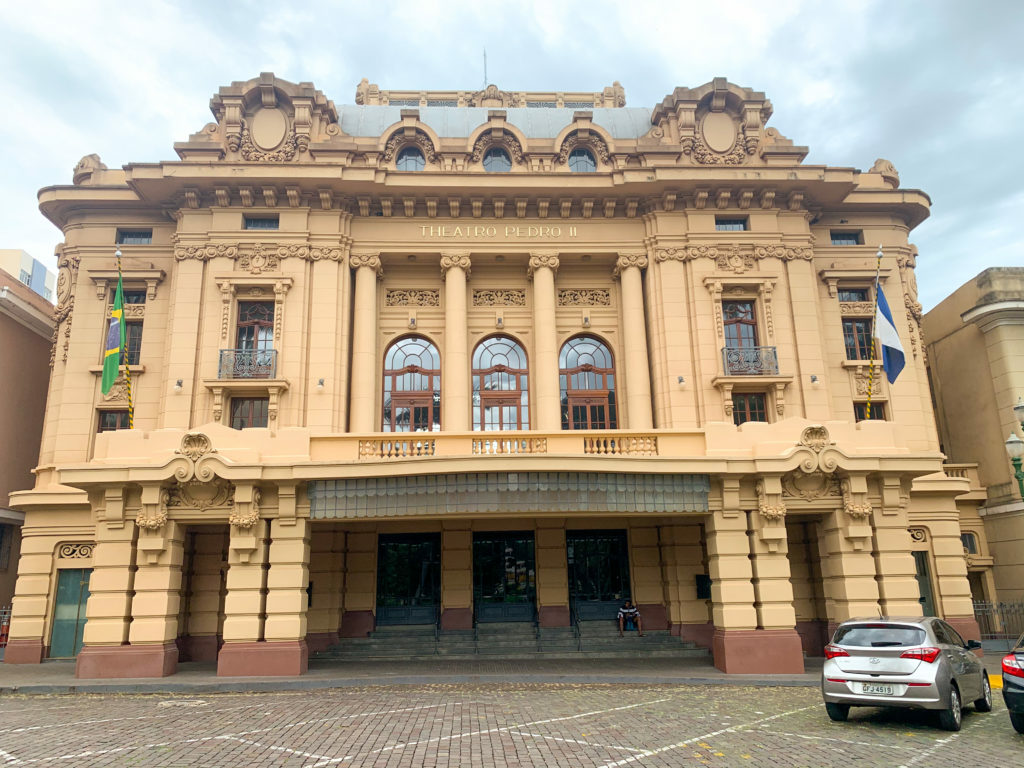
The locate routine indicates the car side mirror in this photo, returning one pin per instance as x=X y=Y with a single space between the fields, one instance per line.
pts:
x=972 y=645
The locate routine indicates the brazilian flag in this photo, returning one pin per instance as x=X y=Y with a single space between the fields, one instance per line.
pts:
x=115 y=340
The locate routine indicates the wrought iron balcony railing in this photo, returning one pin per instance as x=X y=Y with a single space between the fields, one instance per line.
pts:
x=247 y=364
x=750 y=361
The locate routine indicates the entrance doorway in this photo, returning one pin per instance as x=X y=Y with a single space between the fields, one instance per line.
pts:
x=408 y=578
x=69 y=612
x=504 y=576
x=598 y=573
x=924 y=583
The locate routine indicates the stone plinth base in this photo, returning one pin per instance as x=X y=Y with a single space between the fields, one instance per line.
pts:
x=320 y=641
x=119 y=661
x=699 y=634
x=553 y=616
x=284 y=658
x=967 y=626
x=758 y=651
x=357 y=623
x=457 y=618
x=198 y=647
x=23 y=651
x=813 y=636
x=653 y=615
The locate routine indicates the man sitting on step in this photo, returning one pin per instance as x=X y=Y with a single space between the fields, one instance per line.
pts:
x=629 y=617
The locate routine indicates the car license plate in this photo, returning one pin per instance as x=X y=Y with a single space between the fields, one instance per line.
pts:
x=878 y=690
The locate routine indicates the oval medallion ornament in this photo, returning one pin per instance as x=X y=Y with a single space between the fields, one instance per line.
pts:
x=268 y=128
x=719 y=131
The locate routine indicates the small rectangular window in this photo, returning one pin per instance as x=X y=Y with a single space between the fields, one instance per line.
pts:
x=847 y=238
x=749 y=407
x=25 y=277
x=854 y=294
x=131 y=296
x=860 y=411
x=134 y=237
x=857 y=338
x=970 y=542
x=725 y=224
x=262 y=222
x=132 y=351
x=6 y=541
x=249 y=412
x=112 y=420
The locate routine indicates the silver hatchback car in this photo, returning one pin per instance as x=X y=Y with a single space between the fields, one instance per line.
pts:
x=915 y=662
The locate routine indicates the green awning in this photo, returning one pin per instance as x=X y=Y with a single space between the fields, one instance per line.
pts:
x=508 y=493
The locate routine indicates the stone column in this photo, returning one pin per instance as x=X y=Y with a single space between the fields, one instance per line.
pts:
x=634 y=341
x=455 y=376
x=456 y=575
x=357 y=619
x=363 y=402
x=543 y=265
x=895 y=571
x=732 y=593
x=681 y=559
x=182 y=341
x=322 y=616
x=552 y=574
x=285 y=651
x=646 y=576
x=326 y=406
x=245 y=601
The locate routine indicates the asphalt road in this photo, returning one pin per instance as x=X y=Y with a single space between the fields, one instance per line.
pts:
x=485 y=726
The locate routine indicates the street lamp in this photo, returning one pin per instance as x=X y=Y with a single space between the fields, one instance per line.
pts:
x=1015 y=446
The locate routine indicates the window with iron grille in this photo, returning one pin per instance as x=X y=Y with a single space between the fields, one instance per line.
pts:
x=860 y=411
x=847 y=238
x=749 y=406
x=731 y=224
x=247 y=412
x=857 y=338
x=110 y=421
x=262 y=222
x=134 y=236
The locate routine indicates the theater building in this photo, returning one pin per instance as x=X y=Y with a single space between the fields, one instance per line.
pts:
x=454 y=358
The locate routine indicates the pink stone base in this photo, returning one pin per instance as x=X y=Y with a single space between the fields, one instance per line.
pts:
x=198 y=647
x=287 y=658
x=457 y=618
x=553 y=616
x=813 y=637
x=758 y=651
x=653 y=615
x=357 y=623
x=699 y=634
x=121 y=661
x=24 y=651
x=321 y=641
x=967 y=626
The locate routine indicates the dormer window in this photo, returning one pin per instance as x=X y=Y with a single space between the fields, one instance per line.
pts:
x=410 y=159
x=581 y=161
x=134 y=236
x=496 y=160
x=262 y=222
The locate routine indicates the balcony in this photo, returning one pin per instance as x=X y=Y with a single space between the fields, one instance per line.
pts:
x=247 y=364
x=750 y=361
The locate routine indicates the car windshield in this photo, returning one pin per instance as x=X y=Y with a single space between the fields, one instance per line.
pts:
x=879 y=636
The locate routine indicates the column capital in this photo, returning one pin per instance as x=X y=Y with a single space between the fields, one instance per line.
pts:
x=629 y=259
x=541 y=259
x=455 y=260
x=367 y=259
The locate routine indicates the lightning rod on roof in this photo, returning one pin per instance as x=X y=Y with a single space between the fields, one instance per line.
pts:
x=484 y=86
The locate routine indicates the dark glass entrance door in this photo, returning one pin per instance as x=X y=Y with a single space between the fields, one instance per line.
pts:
x=69 y=612
x=598 y=573
x=408 y=578
x=504 y=576
x=924 y=583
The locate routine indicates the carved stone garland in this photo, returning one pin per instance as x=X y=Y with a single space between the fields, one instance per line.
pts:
x=499 y=297
x=67 y=277
x=508 y=142
x=595 y=143
x=584 y=297
x=420 y=140
x=412 y=297
x=772 y=509
x=283 y=153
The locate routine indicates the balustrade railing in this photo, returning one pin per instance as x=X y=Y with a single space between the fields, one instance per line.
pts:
x=395 y=449
x=515 y=445
x=750 y=361
x=247 y=364
x=626 y=445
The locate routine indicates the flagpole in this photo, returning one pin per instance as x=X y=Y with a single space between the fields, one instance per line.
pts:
x=874 y=314
x=127 y=369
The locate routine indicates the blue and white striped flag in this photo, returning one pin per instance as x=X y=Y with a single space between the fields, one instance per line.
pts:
x=893 y=358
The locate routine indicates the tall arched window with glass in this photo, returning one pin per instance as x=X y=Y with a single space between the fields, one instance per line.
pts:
x=581 y=161
x=587 y=381
x=501 y=388
x=410 y=159
x=412 y=386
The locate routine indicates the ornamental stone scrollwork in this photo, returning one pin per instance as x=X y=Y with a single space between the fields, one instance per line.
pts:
x=195 y=445
x=627 y=260
x=67 y=273
x=453 y=260
x=293 y=251
x=696 y=147
x=249 y=151
x=153 y=521
x=855 y=504
x=672 y=254
x=542 y=259
x=819 y=454
x=595 y=143
x=770 y=506
x=810 y=486
x=499 y=297
x=369 y=260
x=199 y=494
x=733 y=260
x=816 y=438
x=783 y=252
x=246 y=515
x=258 y=260
x=493 y=97
x=75 y=550
x=857 y=308
x=118 y=390
x=508 y=142
x=326 y=254
x=918 y=535
x=194 y=458
x=412 y=297
x=585 y=297
x=888 y=172
x=399 y=140
x=205 y=252
x=907 y=264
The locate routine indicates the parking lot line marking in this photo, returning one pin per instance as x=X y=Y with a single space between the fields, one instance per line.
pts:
x=841 y=741
x=9 y=757
x=273 y=748
x=25 y=728
x=931 y=750
x=576 y=741
x=681 y=744
x=505 y=729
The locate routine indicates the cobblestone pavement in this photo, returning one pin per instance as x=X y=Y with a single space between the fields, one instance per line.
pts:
x=599 y=726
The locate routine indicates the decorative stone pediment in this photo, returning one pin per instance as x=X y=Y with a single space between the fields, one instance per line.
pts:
x=810 y=486
x=401 y=139
x=200 y=495
x=593 y=141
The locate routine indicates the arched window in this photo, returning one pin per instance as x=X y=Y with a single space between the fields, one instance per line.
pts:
x=412 y=386
x=581 y=161
x=501 y=395
x=410 y=159
x=496 y=160
x=586 y=378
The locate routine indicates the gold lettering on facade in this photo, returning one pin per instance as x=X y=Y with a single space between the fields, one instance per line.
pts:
x=509 y=232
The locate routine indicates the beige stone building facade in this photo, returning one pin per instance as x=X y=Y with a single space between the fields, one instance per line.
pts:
x=457 y=357
x=975 y=339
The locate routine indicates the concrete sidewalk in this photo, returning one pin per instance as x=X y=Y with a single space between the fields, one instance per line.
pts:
x=56 y=677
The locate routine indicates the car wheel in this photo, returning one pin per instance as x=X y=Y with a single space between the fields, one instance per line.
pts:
x=984 y=704
x=1017 y=721
x=951 y=719
x=837 y=712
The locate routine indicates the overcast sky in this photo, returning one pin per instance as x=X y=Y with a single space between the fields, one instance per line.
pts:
x=935 y=87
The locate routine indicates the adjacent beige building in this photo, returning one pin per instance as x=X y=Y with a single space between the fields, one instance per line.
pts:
x=460 y=357
x=975 y=342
